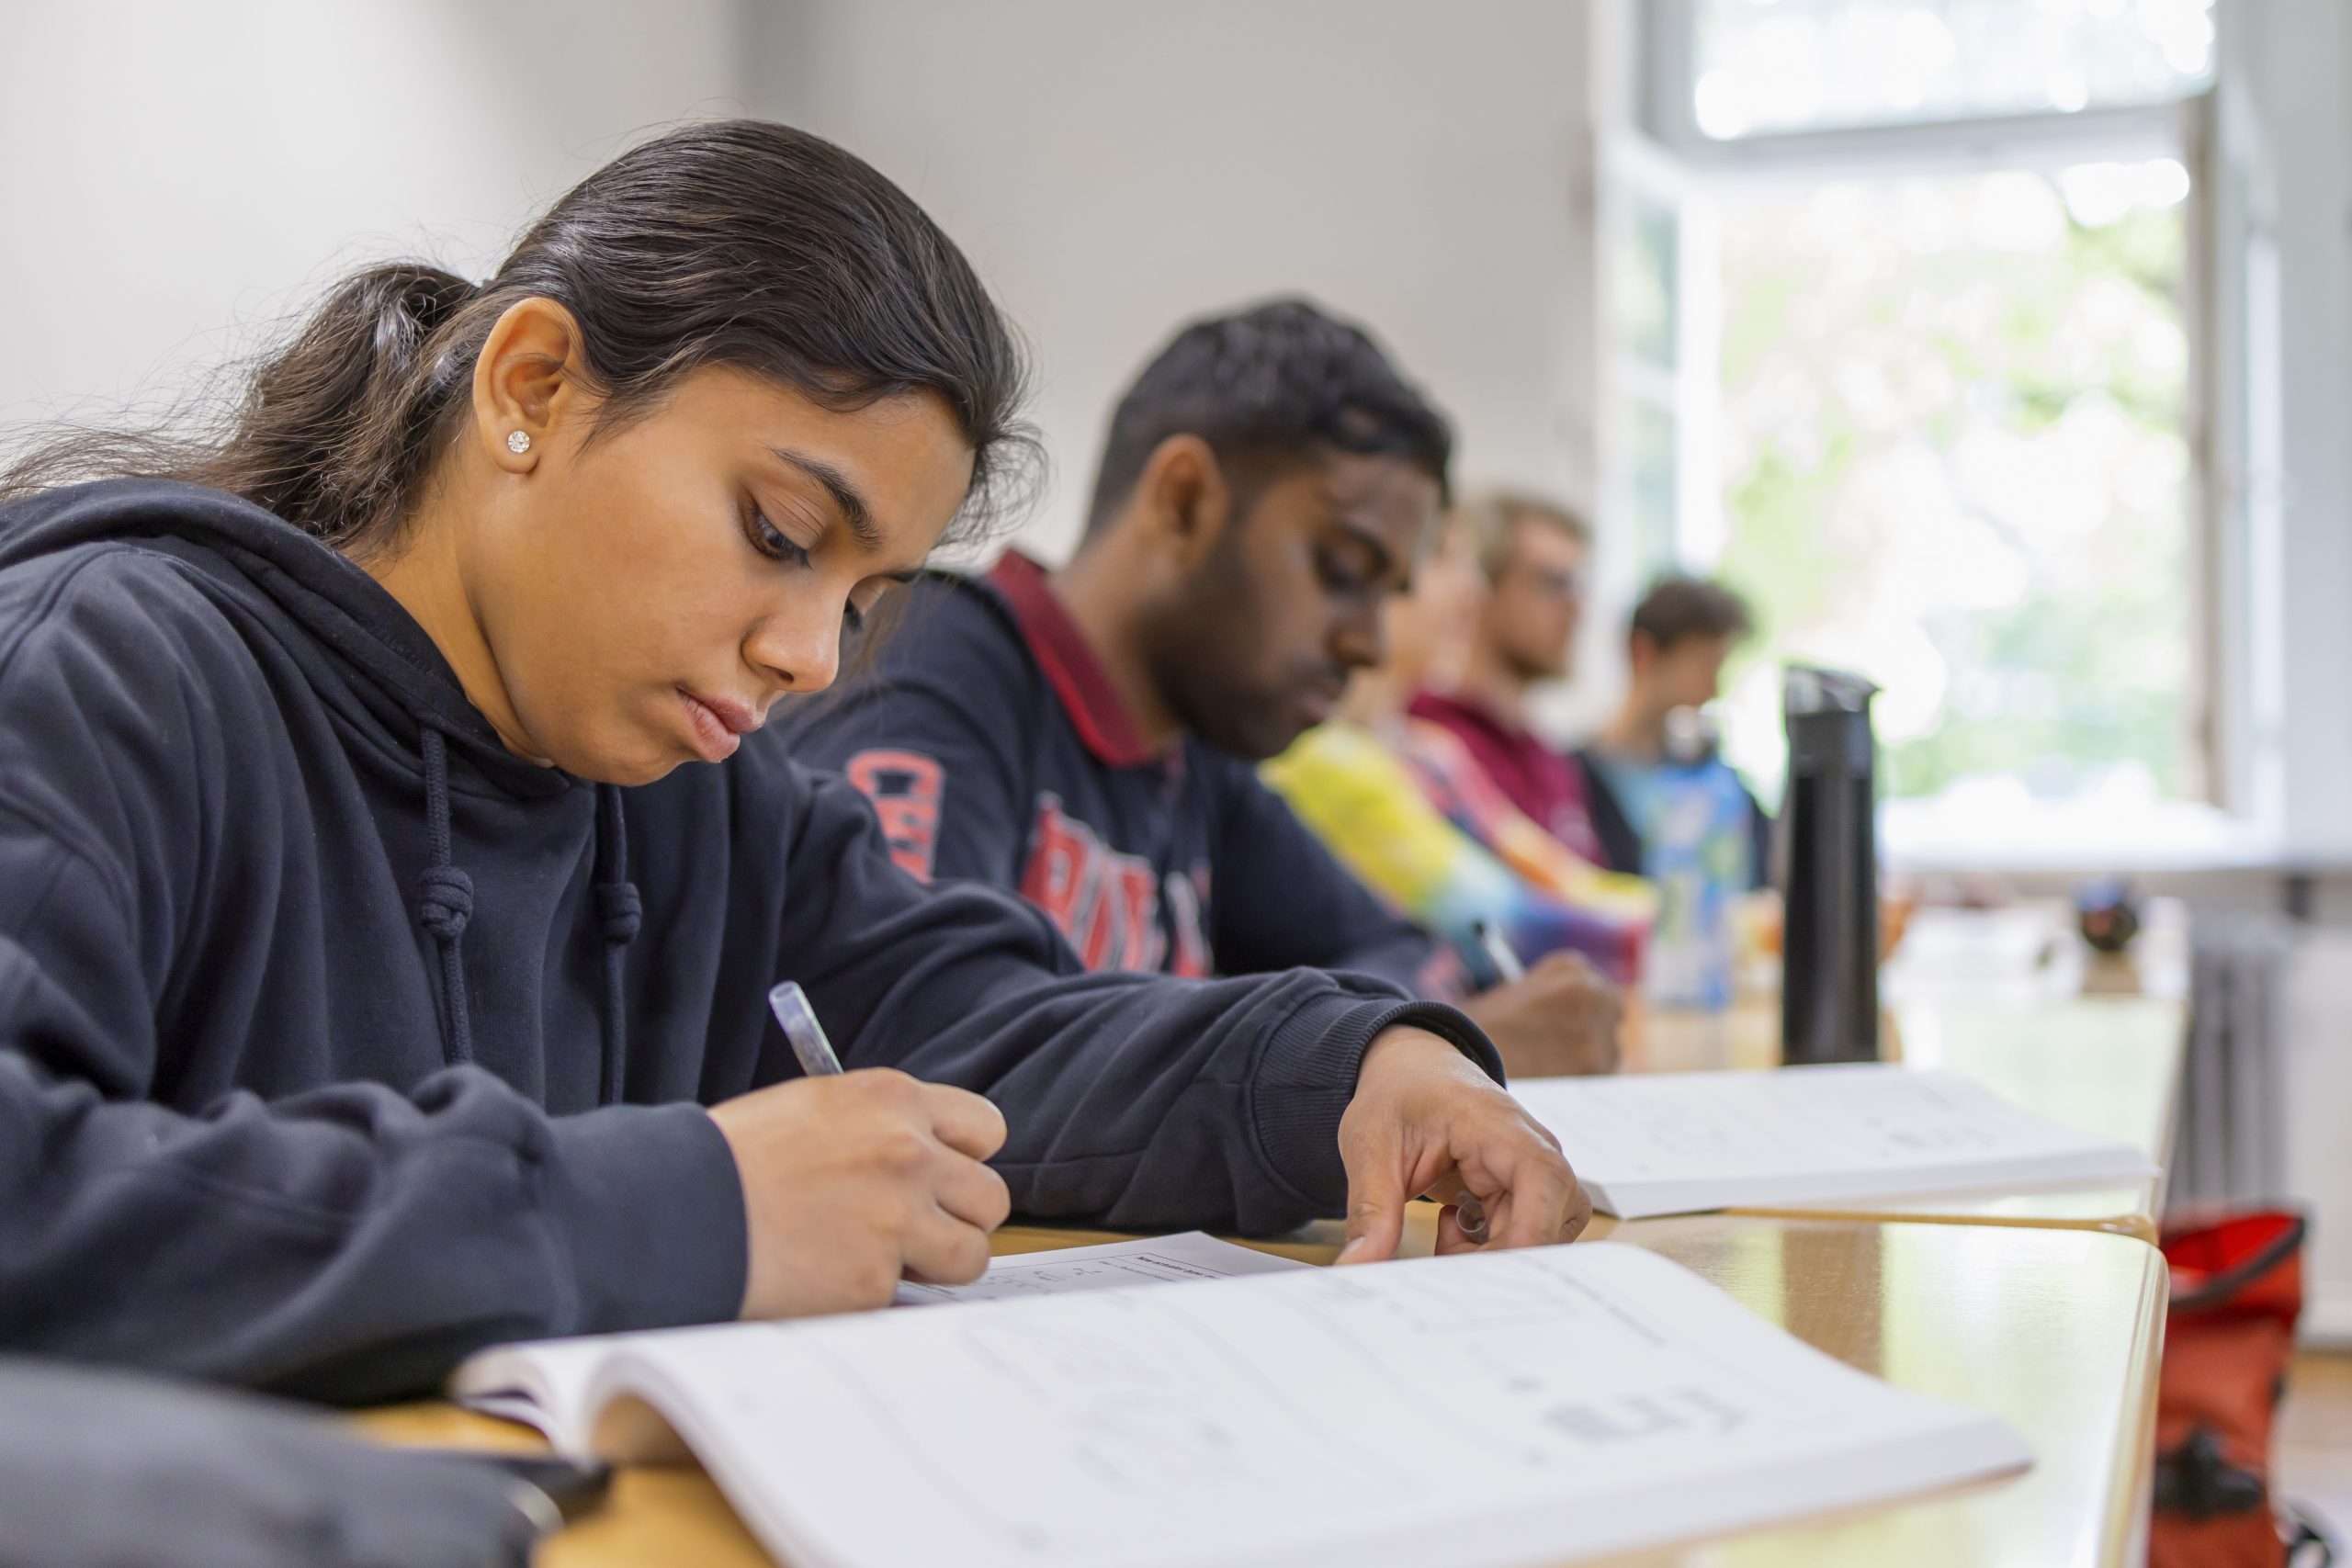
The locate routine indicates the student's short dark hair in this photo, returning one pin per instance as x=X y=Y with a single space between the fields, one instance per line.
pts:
x=1677 y=609
x=1269 y=387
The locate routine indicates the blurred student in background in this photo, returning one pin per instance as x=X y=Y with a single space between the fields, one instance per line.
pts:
x=1682 y=631
x=1534 y=555
x=1405 y=806
x=1088 y=738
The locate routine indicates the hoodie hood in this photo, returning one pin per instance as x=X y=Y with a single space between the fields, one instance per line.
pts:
x=367 y=660
x=371 y=660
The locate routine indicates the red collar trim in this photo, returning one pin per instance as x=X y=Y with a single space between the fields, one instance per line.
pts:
x=1443 y=705
x=1070 y=662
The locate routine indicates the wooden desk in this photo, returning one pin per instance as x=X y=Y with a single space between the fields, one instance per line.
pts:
x=2057 y=1330
x=2106 y=1065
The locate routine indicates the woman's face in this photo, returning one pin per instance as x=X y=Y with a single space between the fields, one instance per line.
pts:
x=1429 y=629
x=647 y=594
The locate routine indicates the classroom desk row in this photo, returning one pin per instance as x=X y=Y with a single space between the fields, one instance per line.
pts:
x=2046 y=1307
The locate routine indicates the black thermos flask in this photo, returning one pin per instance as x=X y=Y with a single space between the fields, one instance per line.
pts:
x=1829 y=978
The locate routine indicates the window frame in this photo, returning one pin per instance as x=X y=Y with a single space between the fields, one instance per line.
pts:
x=2229 y=420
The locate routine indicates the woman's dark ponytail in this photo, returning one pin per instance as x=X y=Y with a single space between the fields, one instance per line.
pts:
x=742 y=243
x=335 y=430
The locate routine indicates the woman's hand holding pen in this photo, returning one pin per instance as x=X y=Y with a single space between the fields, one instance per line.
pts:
x=1425 y=1119
x=850 y=1183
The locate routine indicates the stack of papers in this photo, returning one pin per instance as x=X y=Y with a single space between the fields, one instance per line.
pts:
x=1683 y=1143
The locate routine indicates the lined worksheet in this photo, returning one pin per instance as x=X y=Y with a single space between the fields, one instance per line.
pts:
x=1473 y=1411
x=1150 y=1261
x=544 y=1383
x=1681 y=1143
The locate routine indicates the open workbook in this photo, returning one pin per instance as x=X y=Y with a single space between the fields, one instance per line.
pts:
x=1681 y=1143
x=1483 y=1411
x=545 y=1383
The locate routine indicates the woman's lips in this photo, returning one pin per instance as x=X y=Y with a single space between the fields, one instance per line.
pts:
x=717 y=724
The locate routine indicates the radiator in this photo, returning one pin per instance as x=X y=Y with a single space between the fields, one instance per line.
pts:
x=2231 y=1145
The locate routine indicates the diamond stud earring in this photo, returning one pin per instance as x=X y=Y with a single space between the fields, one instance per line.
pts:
x=518 y=442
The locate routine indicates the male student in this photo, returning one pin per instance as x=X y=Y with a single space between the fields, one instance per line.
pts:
x=1682 y=631
x=1089 y=737
x=1535 y=555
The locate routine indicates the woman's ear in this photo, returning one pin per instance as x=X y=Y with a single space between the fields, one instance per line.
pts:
x=1184 y=498
x=527 y=384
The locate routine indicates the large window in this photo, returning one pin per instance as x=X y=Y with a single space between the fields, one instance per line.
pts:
x=1948 y=400
x=1762 y=66
x=1952 y=457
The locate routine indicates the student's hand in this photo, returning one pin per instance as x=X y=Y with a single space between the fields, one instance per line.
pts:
x=850 y=1183
x=1559 y=1021
x=1425 y=1119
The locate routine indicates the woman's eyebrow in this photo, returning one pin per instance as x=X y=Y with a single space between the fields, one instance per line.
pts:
x=854 y=510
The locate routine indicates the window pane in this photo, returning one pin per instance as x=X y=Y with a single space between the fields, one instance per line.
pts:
x=1766 y=65
x=1647 y=278
x=1953 y=461
x=1655 y=499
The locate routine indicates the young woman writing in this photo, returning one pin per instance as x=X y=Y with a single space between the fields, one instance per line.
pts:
x=368 y=956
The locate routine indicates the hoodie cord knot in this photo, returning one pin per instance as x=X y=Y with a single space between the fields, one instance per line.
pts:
x=623 y=911
x=444 y=900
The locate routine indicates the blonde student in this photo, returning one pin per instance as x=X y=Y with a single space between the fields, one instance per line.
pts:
x=393 y=867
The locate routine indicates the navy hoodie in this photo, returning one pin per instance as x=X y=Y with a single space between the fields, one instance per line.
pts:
x=336 y=1040
x=995 y=747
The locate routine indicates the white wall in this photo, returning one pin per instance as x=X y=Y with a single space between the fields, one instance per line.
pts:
x=178 y=176
x=2298 y=58
x=2318 y=1089
x=196 y=173
x=1114 y=169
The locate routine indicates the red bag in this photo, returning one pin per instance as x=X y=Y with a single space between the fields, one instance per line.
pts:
x=2237 y=1288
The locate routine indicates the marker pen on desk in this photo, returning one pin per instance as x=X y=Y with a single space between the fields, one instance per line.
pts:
x=1497 y=947
x=798 y=1020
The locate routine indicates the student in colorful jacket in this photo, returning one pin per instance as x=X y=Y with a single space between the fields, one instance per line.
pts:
x=1088 y=738
x=392 y=868
x=1404 y=807
x=1535 y=557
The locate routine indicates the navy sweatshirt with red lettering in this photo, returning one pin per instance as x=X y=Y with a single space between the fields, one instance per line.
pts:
x=995 y=749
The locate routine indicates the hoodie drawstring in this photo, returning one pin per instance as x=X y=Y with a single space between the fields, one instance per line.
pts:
x=445 y=902
x=621 y=911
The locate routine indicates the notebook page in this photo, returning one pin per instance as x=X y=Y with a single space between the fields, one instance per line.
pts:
x=1472 y=1412
x=543 y=1383
x=1679 y=1142
x=1150 y=1261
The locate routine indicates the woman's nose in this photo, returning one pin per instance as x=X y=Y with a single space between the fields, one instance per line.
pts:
x=795 y=654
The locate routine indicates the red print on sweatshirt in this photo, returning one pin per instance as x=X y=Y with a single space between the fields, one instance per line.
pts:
x=1107 y=904
x=905 y=788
